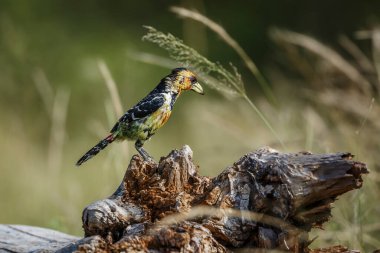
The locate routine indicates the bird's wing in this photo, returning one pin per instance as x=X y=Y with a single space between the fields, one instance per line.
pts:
x=145 y=107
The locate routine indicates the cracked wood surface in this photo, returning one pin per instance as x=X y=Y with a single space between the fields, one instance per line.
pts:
x=297 y=189
x=21 y=238
x=266 y=199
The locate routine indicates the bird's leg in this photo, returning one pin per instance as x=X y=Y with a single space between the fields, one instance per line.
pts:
x=139 y=147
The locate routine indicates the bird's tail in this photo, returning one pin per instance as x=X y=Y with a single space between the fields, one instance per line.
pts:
x=96 y=149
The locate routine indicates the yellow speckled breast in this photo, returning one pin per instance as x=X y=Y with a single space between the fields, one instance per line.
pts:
x=160 y=117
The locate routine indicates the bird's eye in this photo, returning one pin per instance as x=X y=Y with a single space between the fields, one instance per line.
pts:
x=193 y=80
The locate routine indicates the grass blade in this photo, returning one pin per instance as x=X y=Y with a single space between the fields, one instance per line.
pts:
x=196 y=16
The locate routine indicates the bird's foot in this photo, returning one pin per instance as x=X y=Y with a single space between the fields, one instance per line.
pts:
x=148 y=158
x=145 y=155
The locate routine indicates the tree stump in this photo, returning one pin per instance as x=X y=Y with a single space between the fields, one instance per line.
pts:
x=266 y=199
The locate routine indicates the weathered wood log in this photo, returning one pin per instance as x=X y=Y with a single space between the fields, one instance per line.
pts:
x=266 y=199
x=20 y=238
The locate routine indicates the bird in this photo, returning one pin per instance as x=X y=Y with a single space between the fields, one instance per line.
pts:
x=142 y=121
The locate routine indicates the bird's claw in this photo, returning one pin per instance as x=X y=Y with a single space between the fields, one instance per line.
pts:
x=148 y=158
x=144 y=154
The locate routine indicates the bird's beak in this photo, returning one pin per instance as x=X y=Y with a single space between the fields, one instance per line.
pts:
x=197 y=88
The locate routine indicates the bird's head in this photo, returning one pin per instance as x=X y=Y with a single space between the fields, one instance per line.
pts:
x=184 y=79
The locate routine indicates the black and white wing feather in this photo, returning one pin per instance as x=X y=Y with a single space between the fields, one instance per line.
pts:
x=142 y=109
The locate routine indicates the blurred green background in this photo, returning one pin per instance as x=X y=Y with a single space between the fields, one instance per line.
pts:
x=54 y=103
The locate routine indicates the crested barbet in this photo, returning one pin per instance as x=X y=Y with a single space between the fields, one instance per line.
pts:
x=143 y=120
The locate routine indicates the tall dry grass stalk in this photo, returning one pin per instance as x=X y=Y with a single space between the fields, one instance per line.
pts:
x=354 y=98
x=211 y=73
x=325 y=53
x=355 y=51
x=346 y=90
x=369 y=114
x=376 y=53
x=111 y=86
x=58 y=129
x=44 y=89
x=114 y=96
x=199 y=211
x=219 y=30
x=56 y=104
x=152 y=59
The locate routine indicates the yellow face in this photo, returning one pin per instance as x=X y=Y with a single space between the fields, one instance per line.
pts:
x=186 y=80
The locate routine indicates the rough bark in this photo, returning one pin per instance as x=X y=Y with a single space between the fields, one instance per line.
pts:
x=265 y=200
